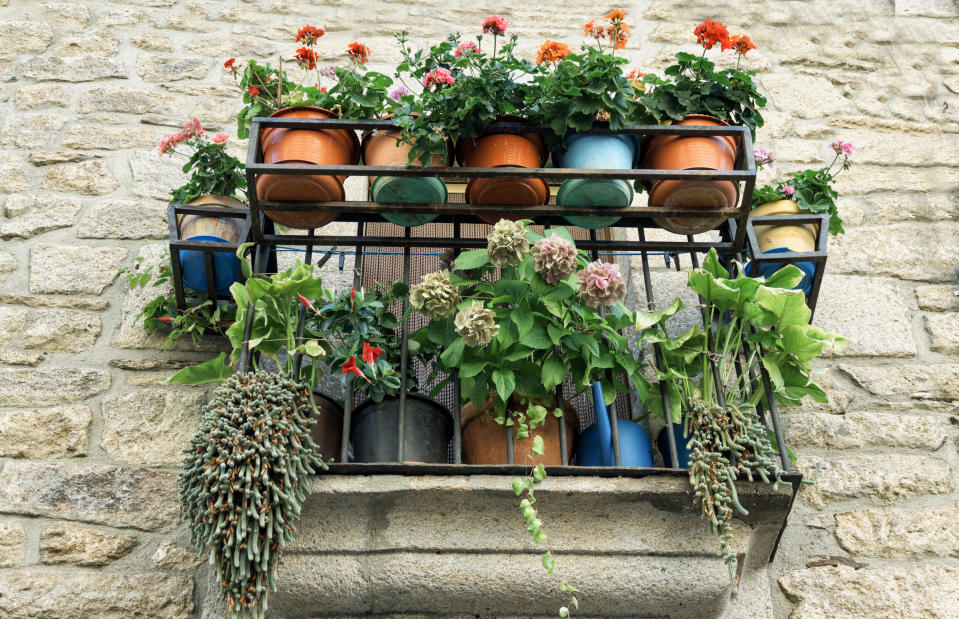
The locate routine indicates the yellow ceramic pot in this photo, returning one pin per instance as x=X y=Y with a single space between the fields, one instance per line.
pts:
x=797 y=238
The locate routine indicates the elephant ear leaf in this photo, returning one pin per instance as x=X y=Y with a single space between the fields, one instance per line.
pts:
x=213 y=371
x=644 y=320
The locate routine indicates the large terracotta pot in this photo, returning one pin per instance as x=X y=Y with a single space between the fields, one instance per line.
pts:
x=384 y=148
x=490 y=150
x=305 y=146
x=327 y=432
x=484 y=440
x=672 y=152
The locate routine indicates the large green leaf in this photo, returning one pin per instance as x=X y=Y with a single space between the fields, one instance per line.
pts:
x=505 y=383
x=212 y=371
x=783 y=307
x=645 y=320
x=787 y=277
x=471 y=259
x=553 y=373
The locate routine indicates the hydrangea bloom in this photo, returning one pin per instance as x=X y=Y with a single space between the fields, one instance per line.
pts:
x=554 y=258
x=476 y=324
x=600 y=283
x=507 y=244
x=436 y=296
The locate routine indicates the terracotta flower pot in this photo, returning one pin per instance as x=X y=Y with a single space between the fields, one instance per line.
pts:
x=672 y=152
x=305 y=146
x=327 y=432
x=484 y=440
x=490 y=150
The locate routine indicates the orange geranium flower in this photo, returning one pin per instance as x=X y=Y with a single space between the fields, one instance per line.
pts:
x=618 y=33
x=711 y=32
x=741 y=44
x=360 y=53
x=552 y=51
x=616 y=15
x=590 y=30
x=306 y=58
x=309 y=35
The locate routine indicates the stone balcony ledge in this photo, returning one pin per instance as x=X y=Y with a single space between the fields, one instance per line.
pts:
x=456 y=544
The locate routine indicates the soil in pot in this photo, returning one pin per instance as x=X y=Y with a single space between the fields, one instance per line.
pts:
x=427 y=430
x=491 y=150
x=672 y=152
x=384 y=148
x=227 y=230
x=303 y=147
x=484 y=440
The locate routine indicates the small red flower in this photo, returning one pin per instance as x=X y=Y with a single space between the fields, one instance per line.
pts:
x=359 y=53
x=635 y=74
x=711 y=32
x=305 y=301
x=371 y=354
x=230 y=66
x=495 y=24
x=741 y=44
x=309 y=35
x=352 y=294
x=165 y=319
x=306 y=58
x=350 y=368
x=254 y=91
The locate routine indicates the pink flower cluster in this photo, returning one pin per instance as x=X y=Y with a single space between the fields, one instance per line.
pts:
x=495 y=24
x=220 y=139
x=764 y=157
x=788 y=190
x=464 y=48
x=843 y=148
x=399 y=93
x=438 y=76
x=191 y=129
x=601 y=283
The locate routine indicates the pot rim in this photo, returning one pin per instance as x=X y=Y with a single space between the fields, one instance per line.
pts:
x=371 y=134
x=649 y=143
x=352 y=137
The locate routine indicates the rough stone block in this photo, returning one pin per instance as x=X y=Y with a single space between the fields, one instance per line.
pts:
x=858 y=429
x=125 y=219
x=83 y=546
x=153 y=178
x=86 y=45
x=32 y=214
x=152 y=42
x=847 y=306
x=32 y=130
x=14 y=179
x=80 y=68
x=12 y=322
x=169 y=556
x=928 y=381
x=171 y=68
x=66 y=16
x=91 y=178
x=62 y=330
x=900 y=534
x=37 y=595
x=13 y=544
x=804 y=96
x=19 y=357
x=127 y=100
x=943 y=332
x=150 y=426
x=41 y=95
x=73 y=269
x=45 y=387
x=884 y=208
x=47 y=157
x=921 y=252
x=60 y=432
x=938 y=298
x=108 y=138
x=114 y=496
x=926 y=8
x=900 y=591
x=8 y=264
x=878 y=478
x=24 y=36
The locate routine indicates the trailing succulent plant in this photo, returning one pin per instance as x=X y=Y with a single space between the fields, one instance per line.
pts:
x=241 y=483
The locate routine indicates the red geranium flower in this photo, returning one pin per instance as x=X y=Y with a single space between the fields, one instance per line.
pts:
x=309 y=35
x=254 y=91
x=552 y=51
x=359 y=53
x=741 y=44
x=495 y=24
x=230 y=66
x=306 y=58
x=711 y=32
x=371 y=354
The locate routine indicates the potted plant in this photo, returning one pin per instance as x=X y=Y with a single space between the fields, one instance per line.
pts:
x=354 y=92
x=216 y=179
x=365 y=344
x=710 y=394
x=465 y=88
x=694 y=92
x=512 y=341
x=572 y=93
x=807 y=191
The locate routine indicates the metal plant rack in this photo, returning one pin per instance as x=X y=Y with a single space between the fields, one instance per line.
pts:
x=464 y=230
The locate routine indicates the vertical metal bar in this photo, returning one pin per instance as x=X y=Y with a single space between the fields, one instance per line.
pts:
x=348 y=400
x=561 y=405
x=301 y=315
x=177 y=268
x=774 y=417
x=457 y=422
x=210 y=273
x=651 y=306
x=252 y=154
x=510 y=459
x=404 y=355
x=747 y=194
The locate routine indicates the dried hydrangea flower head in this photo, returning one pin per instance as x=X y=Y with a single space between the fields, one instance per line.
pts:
x=554 y=258
x=435 y=297
x=600 y=284
x=507 y=244
x=476 y=324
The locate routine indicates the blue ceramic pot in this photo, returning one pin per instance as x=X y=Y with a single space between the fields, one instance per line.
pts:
x=767 y=269
x=613 y=152
x=594 y=447
x=226 y=267
x=682 y=453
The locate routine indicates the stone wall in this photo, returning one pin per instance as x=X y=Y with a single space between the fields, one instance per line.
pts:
x=89 y=439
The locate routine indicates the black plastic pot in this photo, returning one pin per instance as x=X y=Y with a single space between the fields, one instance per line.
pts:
x=427 y=430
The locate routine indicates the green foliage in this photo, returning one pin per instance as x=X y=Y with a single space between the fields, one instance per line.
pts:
x=241 y=482
x=715 y=401
x=212 y=171
x=489 y=84
x=694 y=86
x=204 y=318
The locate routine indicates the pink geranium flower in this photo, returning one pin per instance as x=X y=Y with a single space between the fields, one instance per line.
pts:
x=464 y=48
x=843 y=148
x=788 y=190
x=495 y=24
x=438 y=76
x=220 y=139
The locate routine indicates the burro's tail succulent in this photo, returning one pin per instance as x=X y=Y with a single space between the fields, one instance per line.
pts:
x=241 y=483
